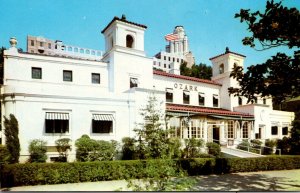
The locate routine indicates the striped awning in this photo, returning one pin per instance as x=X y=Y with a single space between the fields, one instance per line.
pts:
x=103 y=117
x=57 y=116
x=241 y=118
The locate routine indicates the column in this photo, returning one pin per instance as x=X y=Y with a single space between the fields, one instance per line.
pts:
x=204 y=127
x=171 y=46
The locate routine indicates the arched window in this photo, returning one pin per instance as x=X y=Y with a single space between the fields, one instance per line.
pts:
x=221 y=68
x=245 y=130
x=129 y=41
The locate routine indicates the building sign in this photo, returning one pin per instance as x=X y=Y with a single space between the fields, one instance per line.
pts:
x=185 y=87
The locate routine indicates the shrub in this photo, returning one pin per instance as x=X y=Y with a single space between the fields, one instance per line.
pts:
x=37 y=149
x=4 y=155
x=243 y=145
x=284 y=145
x=213 y=149
x=62 y=146
x=270 y=145
x=174 y=145
x=56 y=173
x=88 y=149
x=192 y=147
x=12 y=142
x=128 y=148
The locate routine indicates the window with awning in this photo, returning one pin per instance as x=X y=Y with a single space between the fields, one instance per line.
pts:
x=56 y=122
x=102 y=123
x=201 y=98
x=186 y=97
x=169 y=95
x=134 y=82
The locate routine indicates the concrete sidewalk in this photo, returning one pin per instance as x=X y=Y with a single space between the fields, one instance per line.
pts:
x=283 y=180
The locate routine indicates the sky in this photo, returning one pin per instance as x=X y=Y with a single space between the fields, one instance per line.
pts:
x=209 y=24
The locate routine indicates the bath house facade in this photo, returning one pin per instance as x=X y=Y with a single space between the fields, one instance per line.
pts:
x=60 y=96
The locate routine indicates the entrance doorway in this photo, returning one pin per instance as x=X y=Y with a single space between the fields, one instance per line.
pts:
x=216 y=134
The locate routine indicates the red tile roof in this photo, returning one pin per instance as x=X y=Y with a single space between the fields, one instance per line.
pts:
x=227 y=52
x=123 y=20
x=204 y=110
x=162 y=73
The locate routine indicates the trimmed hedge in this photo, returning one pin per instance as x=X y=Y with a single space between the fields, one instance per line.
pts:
x=57 y=173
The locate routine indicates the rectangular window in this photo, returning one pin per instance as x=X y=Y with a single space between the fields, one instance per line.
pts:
x=57 y=126
x=285 y=130
x=67 y=75
x=274 y=130
x=134 y=82
x=49 y=46
x=57 y=122
x=169 y=95
x=186 y=97
x=36 y=73
x=165 y=58
x=169 y=59
x=201 y=98
x=32 y=42
x=41 y=44
x=177 y=59
x=95 y=78
x=102 y=126
x=215 y=100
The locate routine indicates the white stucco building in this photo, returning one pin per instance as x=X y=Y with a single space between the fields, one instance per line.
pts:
x=63 y=97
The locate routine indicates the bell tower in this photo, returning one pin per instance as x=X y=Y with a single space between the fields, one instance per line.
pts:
x=124 y=35
x=222 y=66
x=125 y=55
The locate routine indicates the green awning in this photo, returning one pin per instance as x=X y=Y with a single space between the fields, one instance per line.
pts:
x=233 y=118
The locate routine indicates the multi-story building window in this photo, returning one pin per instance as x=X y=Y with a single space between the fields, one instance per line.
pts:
x=175 y=128
x=186 y=97
x=215 y=100
x=102 y=123
x=169 y=95
x=221 y=68
x=41 y=44
x=274 y=130
x=245 y=130
x=165 y=65
x=285 y=131
x=264 y=101
x=177 y=59
x=32 y=42
x=36 y=73
x=67 y=76
x=201 y=98
x=57 y=122
x=49 y=45
x=95 y=78
x=134 y=82
x=165 y=58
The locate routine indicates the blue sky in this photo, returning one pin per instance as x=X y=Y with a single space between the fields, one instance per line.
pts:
x=210 y=25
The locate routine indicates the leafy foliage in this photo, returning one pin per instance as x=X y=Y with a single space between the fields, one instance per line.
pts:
x=192 y=148
x=63 y=146
x=11 y=133
x=278 y=76
x=202 y=71
x=88 y=149
x=213 y=149
x=4 y=155
x=128 y=148
x=57 y=173
x=38 y=149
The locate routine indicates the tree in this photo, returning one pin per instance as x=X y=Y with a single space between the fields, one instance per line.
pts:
x=62 y=146
x=278 y=76
x=152 y=136
x=11 y=133
x=38 y=149
x=198 y=71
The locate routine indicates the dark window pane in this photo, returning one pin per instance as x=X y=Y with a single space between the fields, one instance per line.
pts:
x=169 y=97
x=215 y=101
x=36 y=73
x=102 y=126
x=95 y=78
x=133 y=82
x=284 y=130
x=186 y=98
x=57 y=126
x=274 y=130
x=67 y=75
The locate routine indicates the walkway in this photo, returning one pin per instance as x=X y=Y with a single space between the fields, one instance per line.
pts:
x=283 y=180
